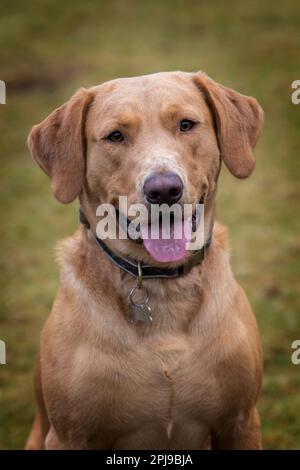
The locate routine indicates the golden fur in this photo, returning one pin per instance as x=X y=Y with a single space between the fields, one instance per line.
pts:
x=194 y=376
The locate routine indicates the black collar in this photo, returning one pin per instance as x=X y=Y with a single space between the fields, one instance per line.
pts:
x=147 y=271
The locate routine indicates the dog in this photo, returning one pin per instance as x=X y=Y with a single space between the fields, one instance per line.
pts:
x=187 y=375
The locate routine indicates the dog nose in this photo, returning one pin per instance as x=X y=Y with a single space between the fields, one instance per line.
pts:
x=163 y=188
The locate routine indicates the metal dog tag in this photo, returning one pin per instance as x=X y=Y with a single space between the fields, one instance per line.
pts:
x=139 y=297
x=140 y=313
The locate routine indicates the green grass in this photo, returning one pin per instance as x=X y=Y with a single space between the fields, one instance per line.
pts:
x=47 y=50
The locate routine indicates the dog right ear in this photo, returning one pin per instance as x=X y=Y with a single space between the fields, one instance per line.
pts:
x=239 y=120
x=58 y=145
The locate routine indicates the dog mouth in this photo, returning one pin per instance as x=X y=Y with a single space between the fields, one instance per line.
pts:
x=166 y=239
x=167 y=242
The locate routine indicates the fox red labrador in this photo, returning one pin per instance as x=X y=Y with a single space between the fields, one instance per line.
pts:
x=182 y=369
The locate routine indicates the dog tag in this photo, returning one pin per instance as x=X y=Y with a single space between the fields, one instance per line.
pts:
x=140 y=313
x=139 y=296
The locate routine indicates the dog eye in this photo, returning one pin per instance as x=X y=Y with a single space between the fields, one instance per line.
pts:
x=115 y=136
x=186 y=125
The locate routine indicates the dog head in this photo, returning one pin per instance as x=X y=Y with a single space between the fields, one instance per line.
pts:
x=157 y=139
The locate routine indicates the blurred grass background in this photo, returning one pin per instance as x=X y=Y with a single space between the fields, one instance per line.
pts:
x=50 y=48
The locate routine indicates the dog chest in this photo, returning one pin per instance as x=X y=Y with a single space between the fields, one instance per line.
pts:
x=157 y=385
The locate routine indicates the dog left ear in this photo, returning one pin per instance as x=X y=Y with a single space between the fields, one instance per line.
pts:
x=58 y=144
x=239 y=120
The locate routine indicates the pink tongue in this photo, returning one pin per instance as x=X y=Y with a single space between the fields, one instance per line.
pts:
x=170 y=248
